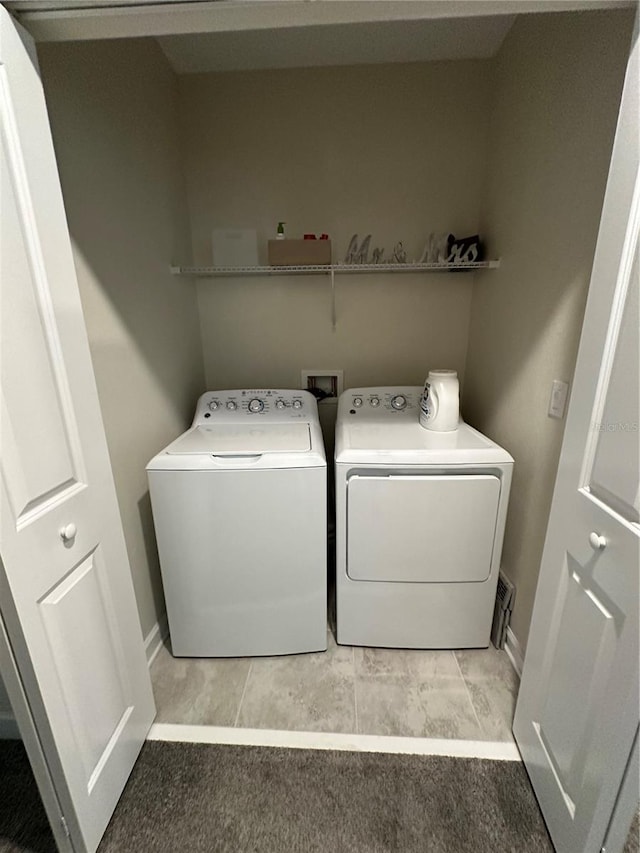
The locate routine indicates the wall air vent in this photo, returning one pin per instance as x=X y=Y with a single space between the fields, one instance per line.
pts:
x=505 y=597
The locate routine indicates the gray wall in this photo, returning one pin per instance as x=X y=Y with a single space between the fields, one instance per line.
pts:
x=113 y=109
x=558 y=81
x=517 y=147
x=397 y=151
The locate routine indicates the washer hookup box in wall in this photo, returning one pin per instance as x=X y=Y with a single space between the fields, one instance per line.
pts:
x=283 y=253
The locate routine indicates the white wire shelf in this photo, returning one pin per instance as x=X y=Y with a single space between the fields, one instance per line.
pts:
x=328 y=269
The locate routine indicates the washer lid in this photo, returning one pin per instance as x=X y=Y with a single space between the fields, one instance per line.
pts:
x=238 y=439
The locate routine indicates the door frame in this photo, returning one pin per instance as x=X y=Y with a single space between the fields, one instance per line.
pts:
x=143 y=18
x=27 y=708
x=179 y=16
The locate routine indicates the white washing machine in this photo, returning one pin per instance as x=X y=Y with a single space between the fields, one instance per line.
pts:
x=420 y=520
x=239 y=507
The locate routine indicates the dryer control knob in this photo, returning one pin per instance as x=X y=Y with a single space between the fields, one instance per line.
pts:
x=213 y=405
x=399 y=401
x=280 y=404
x=357 y=402
x=255 y=405
x=297 y=404
x=375 y=401
x=231 y=405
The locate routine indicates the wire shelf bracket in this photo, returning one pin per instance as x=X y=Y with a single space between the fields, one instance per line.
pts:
x=332 y=270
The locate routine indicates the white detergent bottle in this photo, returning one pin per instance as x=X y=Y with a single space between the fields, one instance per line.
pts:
x=440 y=401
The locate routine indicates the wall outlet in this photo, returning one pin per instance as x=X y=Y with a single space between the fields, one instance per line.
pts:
x=329 y=382
x=558 y=399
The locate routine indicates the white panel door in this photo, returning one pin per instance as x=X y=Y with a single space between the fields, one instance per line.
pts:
x=66 y=588
x=577 y=711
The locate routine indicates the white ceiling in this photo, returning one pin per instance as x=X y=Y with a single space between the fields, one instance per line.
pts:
x=337 y=44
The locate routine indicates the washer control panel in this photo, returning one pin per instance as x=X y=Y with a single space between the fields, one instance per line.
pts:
x=369 y=403
x=250 y=403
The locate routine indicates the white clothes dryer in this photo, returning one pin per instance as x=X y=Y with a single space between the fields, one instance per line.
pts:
x=239 y=508
x=420 y=519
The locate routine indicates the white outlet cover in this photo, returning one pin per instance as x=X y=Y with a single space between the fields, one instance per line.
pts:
x=558 y=399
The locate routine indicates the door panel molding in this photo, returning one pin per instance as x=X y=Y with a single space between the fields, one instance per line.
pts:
x=38 y=279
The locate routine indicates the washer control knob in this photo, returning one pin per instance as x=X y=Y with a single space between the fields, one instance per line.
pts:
x=231 y=405
x=399 y=402
x=280 y=404
x=213 y=405
x=256 y=405
x=375 y=401
x=297 y=404
x=357 y=402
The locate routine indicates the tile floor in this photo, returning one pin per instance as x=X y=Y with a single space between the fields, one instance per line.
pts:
x=468 y=694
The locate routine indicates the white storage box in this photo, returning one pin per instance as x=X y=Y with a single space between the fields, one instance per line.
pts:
x=235 y=247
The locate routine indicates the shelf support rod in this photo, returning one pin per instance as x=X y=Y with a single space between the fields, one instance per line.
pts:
x=333 y=300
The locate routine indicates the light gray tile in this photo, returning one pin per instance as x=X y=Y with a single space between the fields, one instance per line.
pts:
x=486 y=663
x=198 y=691
x=312 y=692
x=494 y=703
x=493 y=686
x=399 y=692
x=415 y=664
x=439 y=708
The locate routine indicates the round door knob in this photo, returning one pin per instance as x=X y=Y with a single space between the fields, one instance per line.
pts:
x=596 y=541
x=256 y=405
x=399 y=402
x=68 y=532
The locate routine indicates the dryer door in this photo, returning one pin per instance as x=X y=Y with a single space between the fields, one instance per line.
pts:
x=421 y=528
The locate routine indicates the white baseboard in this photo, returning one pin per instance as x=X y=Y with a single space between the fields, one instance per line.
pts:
x=514 y=651
x=8 y=727
x=155 y=638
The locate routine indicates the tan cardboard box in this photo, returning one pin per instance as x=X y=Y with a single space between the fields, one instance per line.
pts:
x=283 y=253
